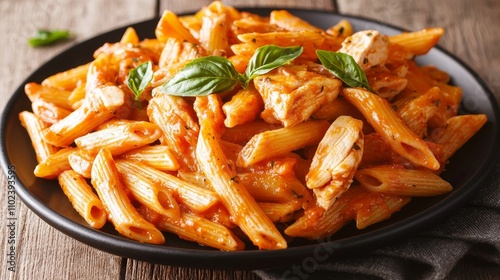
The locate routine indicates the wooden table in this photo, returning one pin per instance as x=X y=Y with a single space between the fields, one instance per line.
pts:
x=45 y=253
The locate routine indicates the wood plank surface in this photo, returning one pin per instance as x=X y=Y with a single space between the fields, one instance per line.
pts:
x=44 y=253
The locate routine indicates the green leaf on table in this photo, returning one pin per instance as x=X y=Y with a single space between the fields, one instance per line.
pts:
x=46 y=37
x=344 y=67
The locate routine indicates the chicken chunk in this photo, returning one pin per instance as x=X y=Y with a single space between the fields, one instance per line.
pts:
x=369 y=48
x=336 y=160
x=292 y=94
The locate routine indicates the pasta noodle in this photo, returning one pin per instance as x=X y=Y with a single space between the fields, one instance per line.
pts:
x=293 y=152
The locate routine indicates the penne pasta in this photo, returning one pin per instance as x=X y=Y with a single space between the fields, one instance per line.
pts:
x=83 y=198
x=56 y=96
x=456 y=132
x=241 y=134
x=195 y=228
x=356 y=204
x=375 y=208
x=245 y=106
x=275 y=188
x=158 y=156
x=48 y=112
x=122 y=214
x=213 y=34
x=120 y=138
x=341 y=29
x=81 y=162
x=309 y=40
x=35 y=127
x=148 y=192
x=101 y=104
x=385 y=83
x=130 y=37
x=389 y=125
x=169 y=26
x=54 y=164
x=417 y=112
x=77 y=96
x=418 y=42
x=279 y=212
x=400 y=181
x=278 y=142
x=287 y=21
x=69 y=79
x=195 y=198
x=242 y=207
x=175 y=118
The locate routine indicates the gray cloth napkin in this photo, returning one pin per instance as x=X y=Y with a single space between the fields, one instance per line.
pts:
x=474 y=230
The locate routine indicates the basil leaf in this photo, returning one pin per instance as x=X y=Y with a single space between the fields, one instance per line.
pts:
x=46 y=37
x=139 y=78
x=344 y=67
x=269 y=57
x=203 y=76
x=215 y=74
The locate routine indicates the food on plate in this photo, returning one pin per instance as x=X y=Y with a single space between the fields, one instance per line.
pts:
x=229 y=128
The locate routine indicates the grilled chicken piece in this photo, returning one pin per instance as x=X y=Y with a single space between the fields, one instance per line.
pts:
x=368 y=48
x=292 y=94
x=336 y=160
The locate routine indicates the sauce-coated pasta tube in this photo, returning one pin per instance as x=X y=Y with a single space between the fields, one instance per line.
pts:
x=176 y=120
x=457 y=131
x=195 y=198
x=158 y=156
x=400 y=181
x=169 y=25
x=240 y=204
x=149 y=192
x=56 y=96
x=120 y=138
x=68 y=79
x=56 y=163
x=122 y=214
x=277 y=142
x=35 y=127
x=100 y=105
x=48 y=112
x=418 y=42
x=83 y=198
x=389 y=125
x=356 y=204
x=195 y=228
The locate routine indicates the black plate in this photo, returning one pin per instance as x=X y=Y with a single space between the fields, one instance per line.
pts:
x=467 y=171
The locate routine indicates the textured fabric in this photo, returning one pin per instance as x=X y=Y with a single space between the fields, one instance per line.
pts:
x=473 y=230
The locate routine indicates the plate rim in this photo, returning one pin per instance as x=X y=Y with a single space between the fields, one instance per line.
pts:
x=179 y=256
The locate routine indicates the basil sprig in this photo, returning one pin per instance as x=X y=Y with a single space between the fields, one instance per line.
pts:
x=215 y=74
x=46 y=37
x=344 y=67
x=139 y=78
